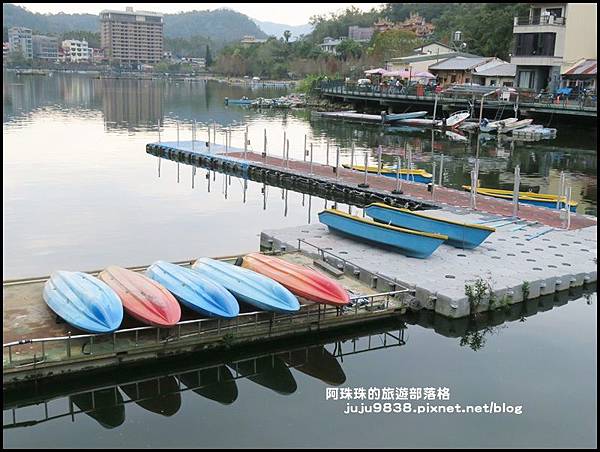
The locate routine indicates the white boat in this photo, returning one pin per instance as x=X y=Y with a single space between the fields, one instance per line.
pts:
x=453 y=121
x=515 y=125
x=492 y=126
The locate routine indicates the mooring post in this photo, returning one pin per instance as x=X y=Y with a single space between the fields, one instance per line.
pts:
x=193 y=135
x=433 y=181
x=287 y=155
x=441 y=170
x=352 y=158
x=327 y=153
x=397 y=190
x=516 y=191
x=365 y=184
x=337 y=163
x=214 y=132
x=284 y=141
x=311 y=159
x=435 y=106
x=560 y=189
x=177 y=133
x=305 y=151
x=245 y=143
x=208 y=141
x=265 y=146
x=159 y=130
x=569 y=207
x=379 y=160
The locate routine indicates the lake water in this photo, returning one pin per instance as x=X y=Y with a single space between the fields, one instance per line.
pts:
x=80 y=192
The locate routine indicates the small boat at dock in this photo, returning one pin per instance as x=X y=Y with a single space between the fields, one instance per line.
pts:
x=302 y=281
x=515 y=125
x=452 y=121
x=194 y=291
x=248 y=286
x=416 y=175
x=460 y=235
x=83 y=301
x=142 y=298
x=526 y=197
x=493 y=126
x=409 y=242
x=242 y=101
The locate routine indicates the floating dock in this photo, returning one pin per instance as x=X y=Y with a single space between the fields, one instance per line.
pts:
x=36 y=344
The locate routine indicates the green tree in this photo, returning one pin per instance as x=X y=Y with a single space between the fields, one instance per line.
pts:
x=349 y=48
x=393 y=43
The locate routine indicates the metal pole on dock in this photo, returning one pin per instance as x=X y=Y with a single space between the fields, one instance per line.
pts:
x=440 y=179
x=214 y=132
x=311 y=159
x=435 y=106
x=159 y=130
x=352 y=158
x=516 y=191
x=177 y=133
x=337 y=163
x=287 y=155
x=560 y=189
x=245 y=143
x=208 y=141
x=327 y=154
x=305 y=152
x=265 y=145
x=193 y=123
x=365 y=184
x=569 y=207
x=379 y=160
x=284 y=140
x=397 y=190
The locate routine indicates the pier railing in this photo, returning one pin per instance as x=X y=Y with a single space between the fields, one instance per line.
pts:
x=64 y=349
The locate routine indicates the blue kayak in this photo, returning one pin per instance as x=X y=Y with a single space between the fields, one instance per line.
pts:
x=248 y=286
x=83 y=301
x=408 y=242
x=194 y=291
x=460 y=235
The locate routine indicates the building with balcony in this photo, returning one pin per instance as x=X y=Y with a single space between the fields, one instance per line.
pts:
x=20 y=41
x=552 y=38
x=132 y=38
x=329 y=44
x=45 y=47
x=75 y=51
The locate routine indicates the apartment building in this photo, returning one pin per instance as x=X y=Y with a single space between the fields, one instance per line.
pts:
x=551 y=39
x=45 y=47
x=76 y=51
x=20 y=41
x=132 y=38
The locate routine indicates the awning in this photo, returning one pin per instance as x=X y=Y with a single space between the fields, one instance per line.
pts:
x=379 y=71
x=424 y=75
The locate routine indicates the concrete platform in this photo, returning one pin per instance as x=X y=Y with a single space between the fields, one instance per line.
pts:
x=517 y=265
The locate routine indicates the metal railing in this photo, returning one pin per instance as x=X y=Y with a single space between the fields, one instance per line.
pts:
x=540 y=20
x=68 y=348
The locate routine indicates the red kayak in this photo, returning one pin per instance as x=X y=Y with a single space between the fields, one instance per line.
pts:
x=142 y=298
x=302 y=281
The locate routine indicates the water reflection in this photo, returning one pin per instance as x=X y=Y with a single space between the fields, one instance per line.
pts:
x=162 y=387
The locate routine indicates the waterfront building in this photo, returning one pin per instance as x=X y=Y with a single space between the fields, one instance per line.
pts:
x=360 y=34
x=330 y=44
x=433 y=48
x=581 y=75
x=460 y=69
x=45 y=47
x=249 y=39
x=495 y=73
x=421 y=63
x=75 y=51
x=132 y=38
x=20 y=41
x=552 y=38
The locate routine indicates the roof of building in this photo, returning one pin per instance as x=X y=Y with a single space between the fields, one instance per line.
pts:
x=132 y=13
x=458 y=63
x=416 y=58
x=497 y=68
x=432 y=42
x=583 y=68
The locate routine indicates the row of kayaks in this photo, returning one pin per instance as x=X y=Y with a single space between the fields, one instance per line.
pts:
x=416 y=175
x=210 y=287
x=415 y=234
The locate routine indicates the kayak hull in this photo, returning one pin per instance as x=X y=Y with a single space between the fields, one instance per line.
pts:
x=83 y=301
x=142 y=298
x=194 y=291
x=248 y=286
x=302 y=281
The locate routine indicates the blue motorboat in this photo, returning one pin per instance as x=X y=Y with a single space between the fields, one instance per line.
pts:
x=460 y=235
x=407 y=241
x=194 y=291
x=248 y=286
x=392 y=117
x=83 y=301
x=242 y=101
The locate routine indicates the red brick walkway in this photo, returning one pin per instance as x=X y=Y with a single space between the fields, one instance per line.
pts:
x=456 y=198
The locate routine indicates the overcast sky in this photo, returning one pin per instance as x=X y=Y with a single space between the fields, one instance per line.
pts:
x=283 y=13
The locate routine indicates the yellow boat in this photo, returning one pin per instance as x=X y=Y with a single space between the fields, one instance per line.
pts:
x=526 y=197
x=420 y=175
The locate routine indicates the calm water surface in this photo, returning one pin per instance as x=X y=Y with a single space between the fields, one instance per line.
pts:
x=81 y=193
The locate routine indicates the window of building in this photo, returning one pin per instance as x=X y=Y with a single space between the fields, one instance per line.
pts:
x=453 y=79
x=526 y=79
x=529 y=44
x=556 y=12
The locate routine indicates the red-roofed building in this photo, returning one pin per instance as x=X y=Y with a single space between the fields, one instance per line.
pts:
x=582 y=74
